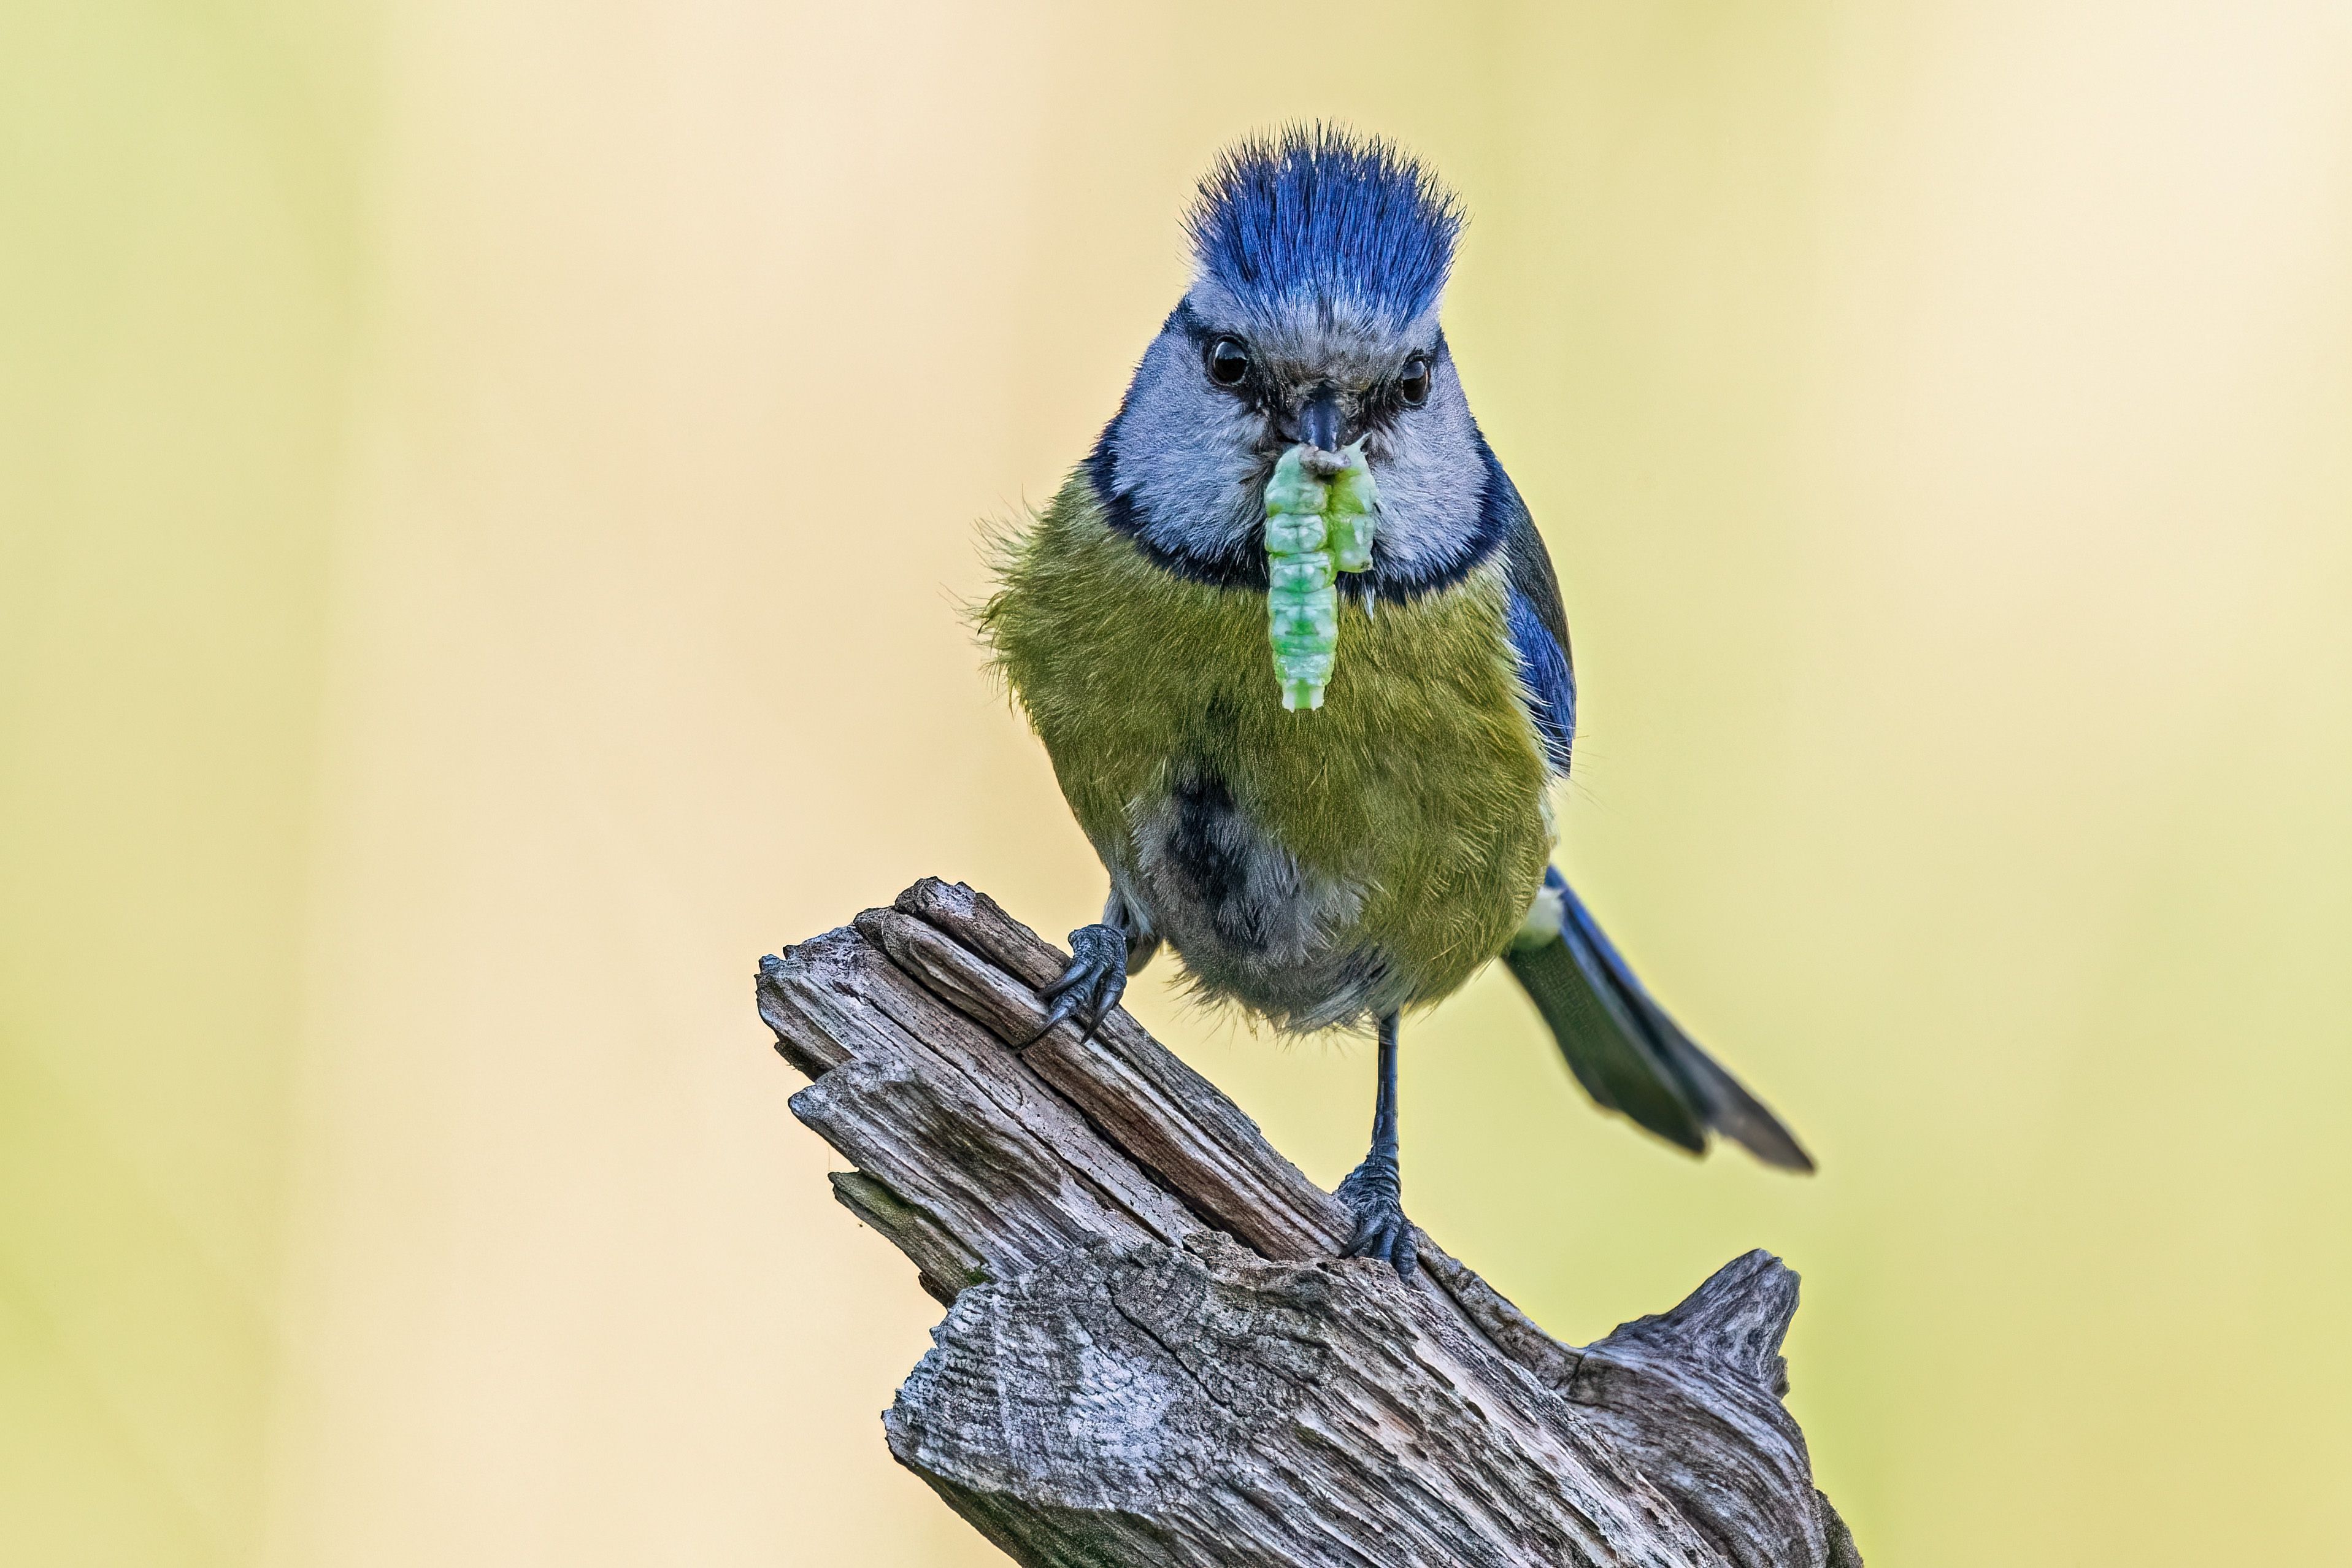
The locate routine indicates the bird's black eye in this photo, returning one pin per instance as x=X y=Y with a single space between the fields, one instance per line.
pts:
x=1228 y=362
x=1413 y=385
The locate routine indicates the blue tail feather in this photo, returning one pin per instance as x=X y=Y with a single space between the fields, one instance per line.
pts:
x=1629 y=1055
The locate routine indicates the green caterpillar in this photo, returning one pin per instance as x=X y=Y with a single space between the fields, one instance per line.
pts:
x=1316 y=528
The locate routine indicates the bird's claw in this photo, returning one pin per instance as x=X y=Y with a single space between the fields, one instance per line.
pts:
x=1094 y=982
x=1374 y=1193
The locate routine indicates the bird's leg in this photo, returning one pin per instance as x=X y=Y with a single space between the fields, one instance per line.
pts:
x=1374 y=1190
x=1102 y=956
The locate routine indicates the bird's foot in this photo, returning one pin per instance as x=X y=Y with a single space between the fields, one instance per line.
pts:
x=1374 y=1192
x=1092 y=985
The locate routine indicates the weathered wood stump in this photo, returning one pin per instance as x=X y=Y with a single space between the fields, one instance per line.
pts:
x=1152 y=1355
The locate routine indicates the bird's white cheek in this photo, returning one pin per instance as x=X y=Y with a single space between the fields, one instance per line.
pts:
x=1431 y=485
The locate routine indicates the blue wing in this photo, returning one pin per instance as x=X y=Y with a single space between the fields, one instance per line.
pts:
x=1551 y=685
x=1538 y=627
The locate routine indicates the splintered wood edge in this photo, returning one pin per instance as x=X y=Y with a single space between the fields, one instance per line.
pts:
x=951 y=943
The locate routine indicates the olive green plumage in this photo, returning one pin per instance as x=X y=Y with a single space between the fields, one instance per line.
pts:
x=1419 y=782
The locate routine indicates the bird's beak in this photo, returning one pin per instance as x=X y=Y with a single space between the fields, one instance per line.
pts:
x=1318 y=421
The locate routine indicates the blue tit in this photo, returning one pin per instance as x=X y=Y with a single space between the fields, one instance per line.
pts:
x=1338 y=862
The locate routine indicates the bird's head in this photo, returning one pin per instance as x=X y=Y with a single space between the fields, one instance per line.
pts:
x=1319 y=262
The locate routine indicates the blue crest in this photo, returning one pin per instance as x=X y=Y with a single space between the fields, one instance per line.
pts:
x=1315 y=211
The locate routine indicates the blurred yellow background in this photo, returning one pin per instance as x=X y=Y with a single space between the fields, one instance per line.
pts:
x=484 y=489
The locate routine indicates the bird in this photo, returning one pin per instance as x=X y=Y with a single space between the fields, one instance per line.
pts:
x=1338 y=863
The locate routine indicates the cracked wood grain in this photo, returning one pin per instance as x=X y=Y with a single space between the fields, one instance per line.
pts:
x=1151 y=1354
